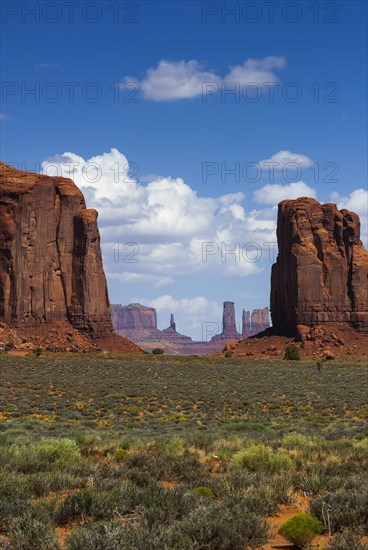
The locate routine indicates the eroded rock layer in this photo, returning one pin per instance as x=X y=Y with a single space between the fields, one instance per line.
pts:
x=321 y=273
x=255 y=322
x=50 y=258
x=229 y=328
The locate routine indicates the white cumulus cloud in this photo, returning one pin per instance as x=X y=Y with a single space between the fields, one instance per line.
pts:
x=256 y=71
x=174 y=80
x=167 y=221
x=279 y=160
x=273 y=193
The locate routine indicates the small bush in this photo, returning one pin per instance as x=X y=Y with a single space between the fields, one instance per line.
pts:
x=292 y=353
x=121 y=454
x=37 y=351
x=245 y=426
x=204 y=492
x=301 y=529
x=61 y=451
x=157 y=351
x=260 y=458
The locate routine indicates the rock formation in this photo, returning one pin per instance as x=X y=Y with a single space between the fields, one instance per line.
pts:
x=135 y=321
x=170 y=334
x=229 y=329
x=228 y=320
x=50 y=259
x=255 y=322
x=260 y=320
x=172 y=322
x=321 y=273
x=139 y=323
x=246 y=328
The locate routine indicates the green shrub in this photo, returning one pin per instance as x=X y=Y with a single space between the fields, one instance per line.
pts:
x=301 y=529
x=244 y=426
x=204 y=492
x=157 y=351
x=315 y=482
x=292 y=353
x=37 y=351
x=121 y=454
x=61 y=451
x=261 y=458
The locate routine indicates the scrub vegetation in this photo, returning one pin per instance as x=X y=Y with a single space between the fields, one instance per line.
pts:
x=102 y=452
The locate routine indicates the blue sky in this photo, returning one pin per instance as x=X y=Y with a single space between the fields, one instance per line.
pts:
x=159 y=72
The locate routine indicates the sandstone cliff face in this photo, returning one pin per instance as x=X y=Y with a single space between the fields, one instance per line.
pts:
x=135 y=320
x=229 y=329
x=50 y=259
x=228 y=320
x=260 y=320
x=246 y=328
x=255 y=322
x=50 y=263
x=170 y=333
x=321 y=273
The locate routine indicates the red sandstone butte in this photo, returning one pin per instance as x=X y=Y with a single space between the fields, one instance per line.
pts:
x=320 y=277
x=51 y=268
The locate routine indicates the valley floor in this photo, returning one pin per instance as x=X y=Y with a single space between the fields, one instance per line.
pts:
x=108 y=452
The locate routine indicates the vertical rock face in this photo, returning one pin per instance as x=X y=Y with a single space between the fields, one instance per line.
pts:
x=50 y=258
x=229 y=329
x=260 y=320
x=321 y=273
x=135 y=319
x=172 y=335
x=172 y=322
x=246 y=329
x=255 y=322
x=228 y=321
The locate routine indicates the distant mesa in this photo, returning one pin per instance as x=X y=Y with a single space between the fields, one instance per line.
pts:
x=139 y=323
x=135 y=321
x=53 y=290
